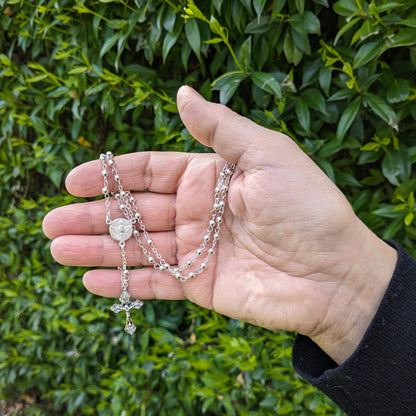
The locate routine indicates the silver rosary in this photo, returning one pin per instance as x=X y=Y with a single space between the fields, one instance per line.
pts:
x=131 y=225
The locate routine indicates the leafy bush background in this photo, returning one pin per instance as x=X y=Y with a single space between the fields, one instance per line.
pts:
x=78 y=77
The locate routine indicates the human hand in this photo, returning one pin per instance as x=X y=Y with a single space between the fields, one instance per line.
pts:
x=292 y=254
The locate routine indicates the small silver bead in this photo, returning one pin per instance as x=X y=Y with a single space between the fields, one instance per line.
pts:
x=203 y=266
x=149 y=242
x=104 y=172
x=228 y=172
x=206 y=238
x=125 y=296
x=217 y=190
x=216 y=236
x=122 y=207
x=219 y=220
x=188 y=263
x=136 y=233
x=211 y=251
x=122 y=194
x=104 y=190
x=216 y=206
x=102 y=156
x=111 y=162
x=162 y=268
x=221 y=204
x=211 y=223
x=150 y=259
x=191 y=275
x=109 y=155
x=199 y=251
x=132 y=199
x=224 y=188
x=137 y=215
x=117 y=178
x=222 y=174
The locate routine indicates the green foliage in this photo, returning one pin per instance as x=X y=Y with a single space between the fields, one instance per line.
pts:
x=79 y=77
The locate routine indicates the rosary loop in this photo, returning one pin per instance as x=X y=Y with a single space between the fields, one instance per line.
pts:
x=130 y=225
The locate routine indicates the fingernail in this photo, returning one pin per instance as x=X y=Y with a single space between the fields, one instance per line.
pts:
x=187 y=91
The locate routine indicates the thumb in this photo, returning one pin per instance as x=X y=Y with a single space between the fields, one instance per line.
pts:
x=235 y=138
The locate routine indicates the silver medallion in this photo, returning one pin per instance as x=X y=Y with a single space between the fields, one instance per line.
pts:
x=121 y=229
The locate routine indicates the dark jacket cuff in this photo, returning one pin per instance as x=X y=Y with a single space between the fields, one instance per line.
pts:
x=379 y=378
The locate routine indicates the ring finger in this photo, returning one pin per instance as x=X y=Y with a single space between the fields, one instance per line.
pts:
x=103 y=251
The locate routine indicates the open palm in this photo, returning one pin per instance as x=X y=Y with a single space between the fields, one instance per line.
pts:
x=290 y=249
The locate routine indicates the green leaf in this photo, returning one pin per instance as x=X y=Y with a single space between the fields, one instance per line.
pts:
x=348 y=117
x=168 y=42
x=300 y=6
x=408 y=22
x=345 y=7
x=396 y=166
x=368 y=147
x=342 y=94
x=292 y=52
x=345 y=28
x=383 y=110
x=390 y=5
x=305 y=23
x=185 y=54
x=322 y=2
x=261 y=53
x=278 y=6
x=245 y=54
x=325 y=78
x=218 y=4
x=398 y=91
x=256 y=25
x=327 y=168
x=301 y=41
x=346 y=179
x=78 y=70
x=109 y=43
x=314 y=99
x=169 y=19
x=267 y=82
x=258 y=7
x=193 y=36
x=387 y=211
x=367 y=29
x=4 y=60
x=368 y=52
x=227 y=84
x=303 y=114
x=393 y=228
x=214 y=40
x=403 y=37
x=409 y=219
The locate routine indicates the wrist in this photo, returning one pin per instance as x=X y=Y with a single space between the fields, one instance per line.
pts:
x=371 y=265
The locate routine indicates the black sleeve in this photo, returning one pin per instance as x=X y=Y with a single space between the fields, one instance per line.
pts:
x=380 y=377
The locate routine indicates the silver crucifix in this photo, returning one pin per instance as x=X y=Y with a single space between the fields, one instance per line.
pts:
x=126 y=305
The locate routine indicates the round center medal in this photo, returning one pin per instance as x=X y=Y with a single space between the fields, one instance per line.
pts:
x=121 y=229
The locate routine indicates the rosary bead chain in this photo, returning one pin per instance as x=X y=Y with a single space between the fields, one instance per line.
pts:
x=127 y=206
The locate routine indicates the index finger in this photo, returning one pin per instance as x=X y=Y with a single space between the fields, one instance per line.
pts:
x=154 y=171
